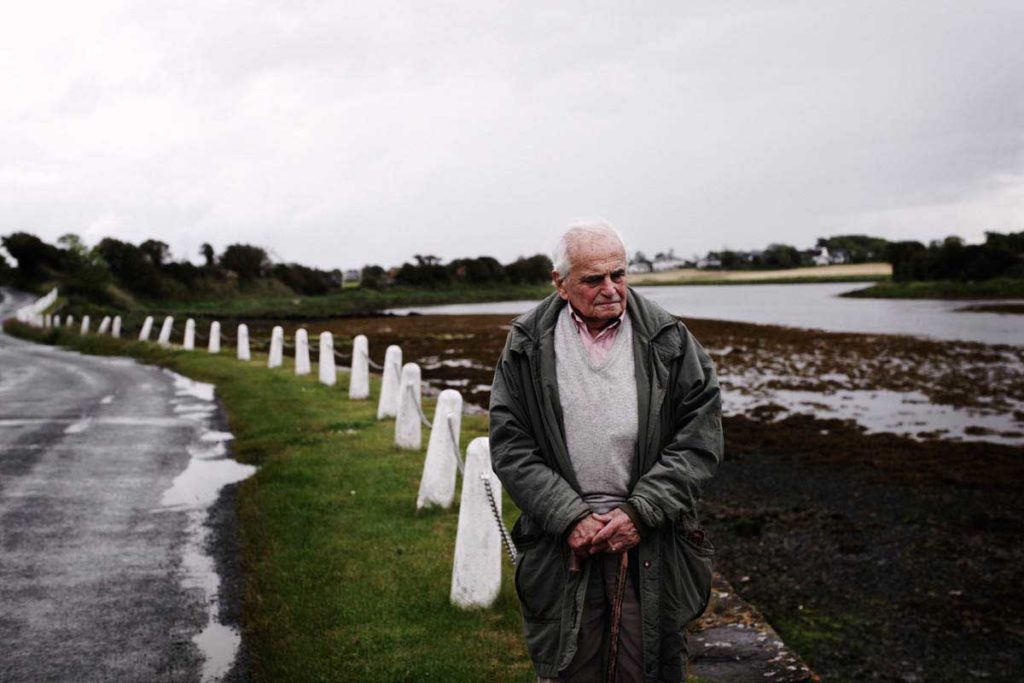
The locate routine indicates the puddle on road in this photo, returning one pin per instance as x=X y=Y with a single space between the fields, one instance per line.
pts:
x=196 y=489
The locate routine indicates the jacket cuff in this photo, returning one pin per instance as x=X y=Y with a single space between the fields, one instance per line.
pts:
x=634 y=516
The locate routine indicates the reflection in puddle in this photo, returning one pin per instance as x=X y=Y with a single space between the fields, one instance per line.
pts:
x=195 y=490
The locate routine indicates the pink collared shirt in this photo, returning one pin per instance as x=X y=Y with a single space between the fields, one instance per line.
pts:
x=597 y=345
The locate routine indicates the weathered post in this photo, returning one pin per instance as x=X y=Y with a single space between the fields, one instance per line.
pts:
x=387 y=406
x=476 y=574
x=85 y=325
x=274 y=358
x=147 y=328
x=359 y=378
x=165 y=332
x=214 y=345
x=104 y=325
x=47 y=320
x=69 y=320
x=328 y=374
x=407 y=422
x=189 y=342
x=301 y=352
x=243 y=342
x=55 y=320
x=437 y=487
x=115 y=329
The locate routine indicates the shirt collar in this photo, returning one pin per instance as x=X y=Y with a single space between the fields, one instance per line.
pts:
x=581 y=326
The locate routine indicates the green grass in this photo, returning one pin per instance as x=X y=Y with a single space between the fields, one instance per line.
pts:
x=998 y=288
x=344 y=580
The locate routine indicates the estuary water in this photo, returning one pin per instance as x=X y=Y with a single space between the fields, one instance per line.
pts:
x=812 y=306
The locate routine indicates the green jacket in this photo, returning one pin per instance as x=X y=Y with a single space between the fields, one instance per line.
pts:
x=679 y=448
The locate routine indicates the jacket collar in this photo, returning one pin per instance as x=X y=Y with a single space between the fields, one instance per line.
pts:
x=649 y=320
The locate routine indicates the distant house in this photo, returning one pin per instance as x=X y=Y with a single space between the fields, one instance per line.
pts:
x=820 y=256
x=669 y=261
x=352 y=275
x=839 y=256
x=709 y=262
x=642 y=266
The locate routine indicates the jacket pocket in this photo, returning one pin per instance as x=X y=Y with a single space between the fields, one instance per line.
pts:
x=540 y=579
x=687 y=587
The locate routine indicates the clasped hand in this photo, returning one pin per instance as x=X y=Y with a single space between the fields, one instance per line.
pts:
x=612 y=532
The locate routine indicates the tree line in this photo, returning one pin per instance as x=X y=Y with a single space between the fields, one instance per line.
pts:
x=113 y=271
x=1001 y=255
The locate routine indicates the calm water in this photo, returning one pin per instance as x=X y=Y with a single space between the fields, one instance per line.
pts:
x=816 y=306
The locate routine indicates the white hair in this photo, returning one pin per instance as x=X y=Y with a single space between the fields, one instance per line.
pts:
x=581 y=231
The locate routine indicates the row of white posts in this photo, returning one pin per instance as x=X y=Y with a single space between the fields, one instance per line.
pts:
x=476 y=574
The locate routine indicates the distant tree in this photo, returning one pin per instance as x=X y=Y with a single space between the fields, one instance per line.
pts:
x=131 y=267
x=372 y=277
x=208 y=254
x=533 y=270
x=156 y=251
x=480 y=270
x=246 y=261
x=37 y=260
x=859 y=248
x=304 y=280
x=780 y=256
x=426 y=272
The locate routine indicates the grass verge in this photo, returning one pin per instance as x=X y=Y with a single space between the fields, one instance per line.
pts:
x=344 y=580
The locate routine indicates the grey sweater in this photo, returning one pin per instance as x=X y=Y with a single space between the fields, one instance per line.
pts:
x=599 y=408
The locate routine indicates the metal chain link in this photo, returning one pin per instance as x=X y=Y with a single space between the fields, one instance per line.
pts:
x=506 y=538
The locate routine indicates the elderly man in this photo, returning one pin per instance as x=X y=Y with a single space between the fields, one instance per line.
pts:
x=605 y=425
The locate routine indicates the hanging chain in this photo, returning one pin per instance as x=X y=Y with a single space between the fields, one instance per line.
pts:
x=506 y=538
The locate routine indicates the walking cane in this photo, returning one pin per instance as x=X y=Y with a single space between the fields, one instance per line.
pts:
x=616 y=621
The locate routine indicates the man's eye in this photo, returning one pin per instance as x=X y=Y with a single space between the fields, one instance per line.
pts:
x=592 y=280
x=618 y=275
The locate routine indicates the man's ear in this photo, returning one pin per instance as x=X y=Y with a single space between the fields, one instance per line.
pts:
x=559 y=282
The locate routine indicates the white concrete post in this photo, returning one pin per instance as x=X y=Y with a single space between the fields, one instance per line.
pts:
x=85 y=325
x=47 y=320
x=243 y=342
x=104 y=325
x=408 y=433
x=276 y=347
x=214 y=346
x=437 y=487
x=476 y=574
x=189 y=342
x=69 y=320
x=359 y=378
x=56 y=320
x=301 y=352
x=387 y=406
x=115 y=329
x=328 y=375
x=147 y=328
x=165 y=332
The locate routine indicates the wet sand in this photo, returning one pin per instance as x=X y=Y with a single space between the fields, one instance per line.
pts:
x=869 y=503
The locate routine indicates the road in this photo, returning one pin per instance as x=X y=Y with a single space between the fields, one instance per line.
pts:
x=97 y=570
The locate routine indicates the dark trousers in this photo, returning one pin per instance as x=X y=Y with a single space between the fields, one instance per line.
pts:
x=588 y=666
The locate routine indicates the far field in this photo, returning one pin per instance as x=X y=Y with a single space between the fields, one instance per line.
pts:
x=693 y=276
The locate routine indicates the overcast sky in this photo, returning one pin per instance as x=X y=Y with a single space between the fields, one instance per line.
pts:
x=345 y=133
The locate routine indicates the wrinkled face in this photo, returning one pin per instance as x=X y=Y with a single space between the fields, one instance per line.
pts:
x=596 y=284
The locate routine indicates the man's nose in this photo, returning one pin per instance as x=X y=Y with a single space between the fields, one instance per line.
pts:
x=608 y=286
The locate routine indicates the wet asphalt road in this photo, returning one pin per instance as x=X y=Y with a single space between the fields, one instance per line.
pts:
x=90 y=583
